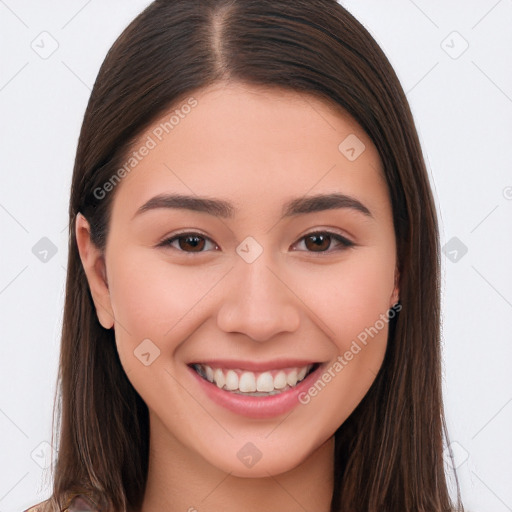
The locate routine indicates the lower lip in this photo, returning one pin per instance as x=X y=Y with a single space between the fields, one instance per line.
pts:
x=257 y=406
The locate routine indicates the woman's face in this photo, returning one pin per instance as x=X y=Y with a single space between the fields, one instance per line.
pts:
x=270 y=281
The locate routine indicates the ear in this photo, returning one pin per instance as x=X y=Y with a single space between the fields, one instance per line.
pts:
x=395 y=295
x=93 y=261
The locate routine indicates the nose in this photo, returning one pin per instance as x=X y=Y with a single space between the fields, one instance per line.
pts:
x=258 y=301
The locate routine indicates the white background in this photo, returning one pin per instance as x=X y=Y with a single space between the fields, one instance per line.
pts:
x=462 y=104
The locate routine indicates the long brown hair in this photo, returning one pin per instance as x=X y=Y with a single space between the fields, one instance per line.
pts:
x=389 y=452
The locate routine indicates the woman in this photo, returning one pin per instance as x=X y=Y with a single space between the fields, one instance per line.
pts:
x=252 y=305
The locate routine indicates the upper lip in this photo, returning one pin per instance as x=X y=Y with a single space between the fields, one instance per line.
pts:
x=255 y=366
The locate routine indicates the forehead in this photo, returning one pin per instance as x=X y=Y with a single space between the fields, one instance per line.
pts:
x=245 y=142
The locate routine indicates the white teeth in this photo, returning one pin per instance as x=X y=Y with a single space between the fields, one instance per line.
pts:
x=265 y=382
x=291 y=378
x=280 y=380
x=246 y=382
x=218 y=377
x=231 y=380
x=209 y=373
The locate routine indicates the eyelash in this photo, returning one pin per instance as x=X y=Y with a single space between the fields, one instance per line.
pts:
x=344 y=242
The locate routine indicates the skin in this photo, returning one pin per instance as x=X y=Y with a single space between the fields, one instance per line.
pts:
x=256 y=148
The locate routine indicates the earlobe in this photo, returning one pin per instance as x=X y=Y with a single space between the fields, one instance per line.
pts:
x=93 y=262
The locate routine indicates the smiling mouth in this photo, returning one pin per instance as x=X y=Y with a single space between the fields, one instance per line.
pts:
x=243 y=382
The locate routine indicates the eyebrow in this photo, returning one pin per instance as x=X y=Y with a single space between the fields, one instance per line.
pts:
x=226 y=210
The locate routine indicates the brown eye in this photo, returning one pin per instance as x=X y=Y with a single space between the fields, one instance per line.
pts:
x=191 y=241
x=321 y=241
x=187 y=242
x=317 y=242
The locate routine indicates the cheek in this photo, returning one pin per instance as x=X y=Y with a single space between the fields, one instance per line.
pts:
x=157 y=300
x=150 y=295
x=352 y=305
x=351 y=296
x=153 y=299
